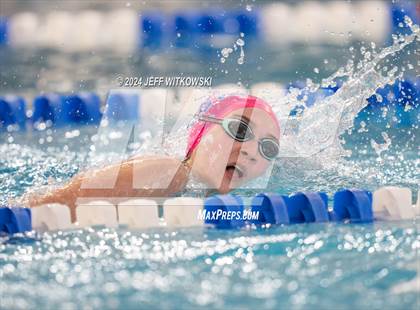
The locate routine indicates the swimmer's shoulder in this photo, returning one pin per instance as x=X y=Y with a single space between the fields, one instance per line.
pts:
x=160 y=169
x=156 y=158
x=162 y=162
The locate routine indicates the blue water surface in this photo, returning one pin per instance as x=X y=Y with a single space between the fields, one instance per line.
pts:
x=309 y=266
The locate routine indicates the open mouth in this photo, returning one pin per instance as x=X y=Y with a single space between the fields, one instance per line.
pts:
x=235 y=170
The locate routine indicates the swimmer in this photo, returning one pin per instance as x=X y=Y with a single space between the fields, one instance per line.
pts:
x=233 y=140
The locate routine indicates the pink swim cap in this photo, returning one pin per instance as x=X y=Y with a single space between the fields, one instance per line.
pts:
x=219 y=108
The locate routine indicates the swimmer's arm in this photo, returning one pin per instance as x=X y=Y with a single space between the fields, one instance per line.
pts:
x=153 y=177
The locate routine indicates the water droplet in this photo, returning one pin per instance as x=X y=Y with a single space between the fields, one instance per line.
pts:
x=316 y=70
x=240 y=42
x=381 y=147
x=408 y=21
x=226 y=51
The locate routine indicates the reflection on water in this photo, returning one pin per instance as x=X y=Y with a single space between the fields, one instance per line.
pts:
x=301 y=266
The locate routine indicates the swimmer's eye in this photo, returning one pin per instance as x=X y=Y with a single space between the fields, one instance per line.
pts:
x=269 y=148
x=241 y=131
x=238 y=129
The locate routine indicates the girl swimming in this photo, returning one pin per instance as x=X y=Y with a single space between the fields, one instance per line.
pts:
x=232 y=141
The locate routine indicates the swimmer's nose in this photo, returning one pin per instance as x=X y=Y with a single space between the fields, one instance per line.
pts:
x=248 y=151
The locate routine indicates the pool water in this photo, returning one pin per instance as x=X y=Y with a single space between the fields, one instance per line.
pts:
x=305 y=266
x=315 y=266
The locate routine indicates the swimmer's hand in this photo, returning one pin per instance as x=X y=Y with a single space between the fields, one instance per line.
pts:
x=64 y=196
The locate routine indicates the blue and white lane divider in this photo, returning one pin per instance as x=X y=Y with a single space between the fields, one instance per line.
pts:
x=134 y=105
x=15 y=220
x=318 y=22
x=81 y=108
x=12 y=112
x=388 y=203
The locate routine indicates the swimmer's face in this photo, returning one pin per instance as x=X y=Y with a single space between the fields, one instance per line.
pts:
x=224 y=163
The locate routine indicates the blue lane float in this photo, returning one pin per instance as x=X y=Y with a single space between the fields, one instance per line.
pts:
x=60 y=110
x=218 y=23
x=271 y=208
x=354 y=205
x=12 y=112
x=225 y=211
x=123 y=106
x=84 y=108
x=15 y=220
x=248 y=22
x=207 y=27
x=196 y=28
x=45 y=108
x=209 y=22
x=3 y=31
x=183 y=29
x=153 y=27
x=308 y=207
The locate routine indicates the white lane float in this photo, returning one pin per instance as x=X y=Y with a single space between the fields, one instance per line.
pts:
x=86 y=26
x=51 y=217
x=309 y=22
x=183 y=212
x=138 y=213
x=372 y=20
x=56 y=31
x=96 y=213
x=393 y=203
x=121 y=32
x=278 y=24
x=86 y=30
x=23 y=29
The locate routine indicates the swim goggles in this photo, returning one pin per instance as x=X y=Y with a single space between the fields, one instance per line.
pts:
x=242 y=132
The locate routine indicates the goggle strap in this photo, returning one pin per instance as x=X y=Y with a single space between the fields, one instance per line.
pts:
x=211 y=119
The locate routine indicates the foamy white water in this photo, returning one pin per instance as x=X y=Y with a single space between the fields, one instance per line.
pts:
x=316 y=129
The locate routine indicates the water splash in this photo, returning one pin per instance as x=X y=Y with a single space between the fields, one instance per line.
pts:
x=317 y=129
x=227 y=51
x=381 y=147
